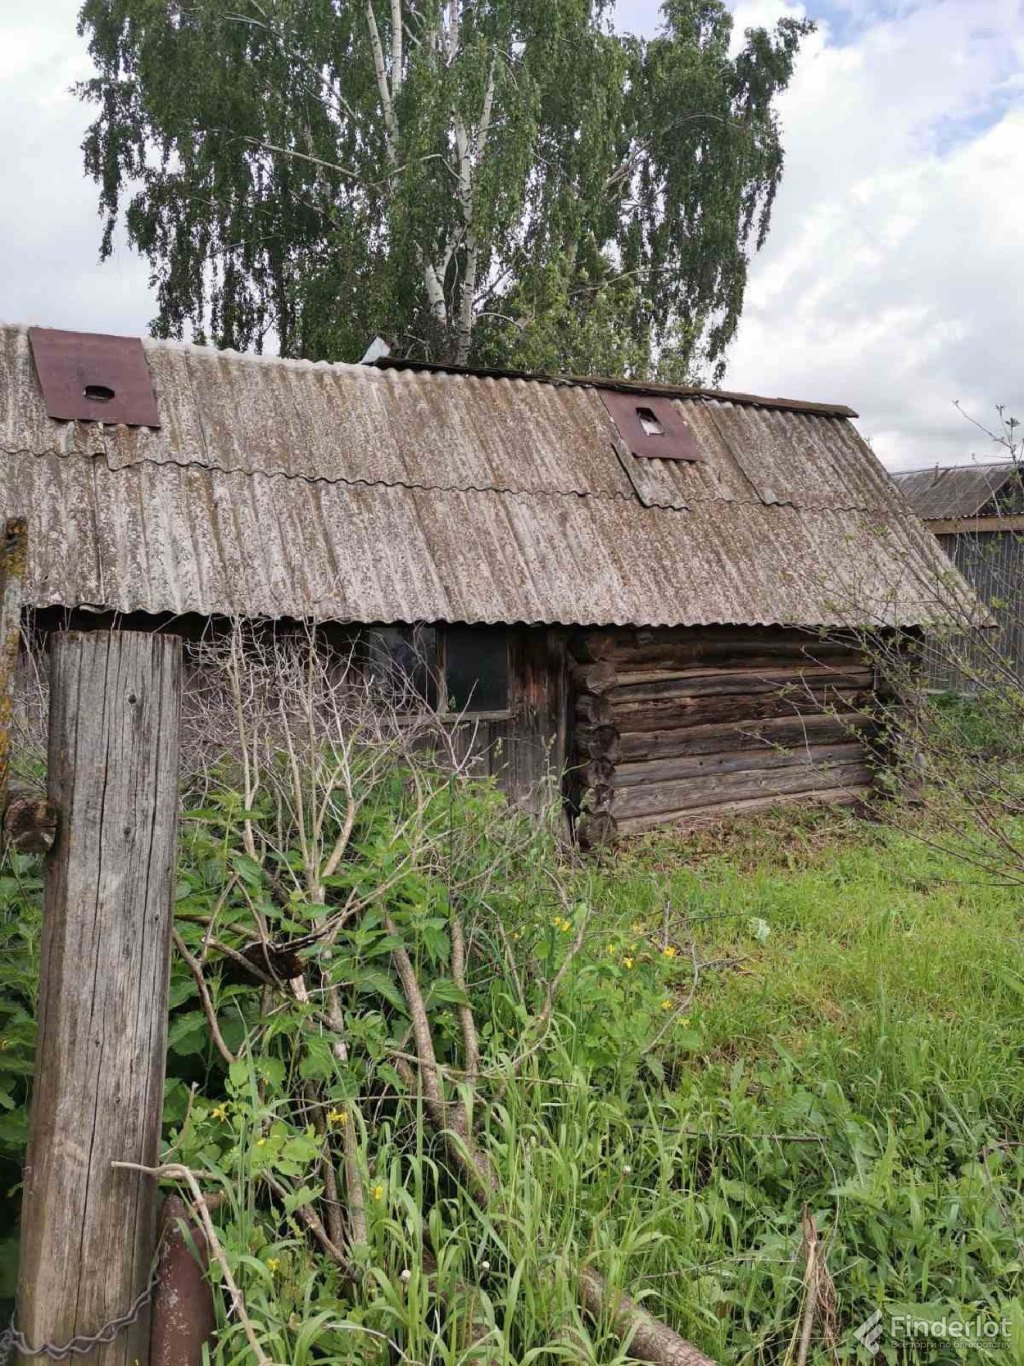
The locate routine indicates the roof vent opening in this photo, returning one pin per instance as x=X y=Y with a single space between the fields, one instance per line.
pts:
x=651 y=426
x=649 y=422
x=89 y=377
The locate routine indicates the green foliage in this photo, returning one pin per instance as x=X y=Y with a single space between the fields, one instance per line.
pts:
x=509 y=184
x=989 y=725
x=851 y=1041
x=20 y=919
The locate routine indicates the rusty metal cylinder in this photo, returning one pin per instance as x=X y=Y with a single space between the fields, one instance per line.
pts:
x=183 y=1312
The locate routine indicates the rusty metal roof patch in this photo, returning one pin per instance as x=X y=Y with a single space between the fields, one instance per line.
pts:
x=652 y=426
x=93 y=377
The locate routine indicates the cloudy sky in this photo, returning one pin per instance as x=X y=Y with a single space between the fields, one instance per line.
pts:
x=892 y=277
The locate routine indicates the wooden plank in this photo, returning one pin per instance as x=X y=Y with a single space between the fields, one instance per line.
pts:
x=13 y=565
x=538 y=735
x=959 y=526
x=88 y=1231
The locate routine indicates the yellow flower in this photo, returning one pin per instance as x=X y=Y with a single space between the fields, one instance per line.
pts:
x=627 y=962
x=261 y=1143
x=669 y=951
x=666 y=1004
x=560 y=923
x=273 y=1263
x=611 y=949
x=377 y=1192
x=219 y=1112
x=337 y=1116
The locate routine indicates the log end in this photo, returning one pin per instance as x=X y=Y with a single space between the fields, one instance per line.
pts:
x=30 y=823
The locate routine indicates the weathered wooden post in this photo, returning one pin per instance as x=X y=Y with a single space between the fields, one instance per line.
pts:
x=13 y=555
x=88 y=1231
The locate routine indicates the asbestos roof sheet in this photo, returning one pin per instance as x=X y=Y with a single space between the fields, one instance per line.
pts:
x=187 y=539
x=954 y=491
x=284 y=488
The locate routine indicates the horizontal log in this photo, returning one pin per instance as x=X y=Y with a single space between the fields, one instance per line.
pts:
x=747 y=733
x=701 y=817
x=631 y=649
x=628 y=672
x=710 y=683
x=659 y=771
x=688 y=792
x=671 y=712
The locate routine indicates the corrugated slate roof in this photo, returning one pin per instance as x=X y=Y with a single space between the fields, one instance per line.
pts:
x=284 y=488
x=953 y=491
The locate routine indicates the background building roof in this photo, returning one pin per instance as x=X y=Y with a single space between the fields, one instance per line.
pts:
x=400 y=493
x=951 y=491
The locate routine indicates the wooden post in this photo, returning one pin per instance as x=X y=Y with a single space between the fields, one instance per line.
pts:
x=13 y=556
x=88 y=1231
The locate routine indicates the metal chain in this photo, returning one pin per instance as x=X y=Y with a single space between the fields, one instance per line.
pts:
x=82 y=1343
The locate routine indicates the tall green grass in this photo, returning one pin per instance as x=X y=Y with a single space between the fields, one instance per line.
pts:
x=838 y=1022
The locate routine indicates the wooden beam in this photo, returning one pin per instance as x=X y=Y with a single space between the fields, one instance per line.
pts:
x=88 y=1231
x=959 y=526
x=13 y=557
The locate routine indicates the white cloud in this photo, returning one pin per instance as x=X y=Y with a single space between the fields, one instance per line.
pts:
x=49 y=229
x=890 y=277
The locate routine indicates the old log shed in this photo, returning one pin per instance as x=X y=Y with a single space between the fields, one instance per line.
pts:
x=637 y=592
x=976 y=513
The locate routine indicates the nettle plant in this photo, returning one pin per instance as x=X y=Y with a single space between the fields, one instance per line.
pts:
x=374 y=954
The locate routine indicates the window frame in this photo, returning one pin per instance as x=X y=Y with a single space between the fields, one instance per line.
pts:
x=437 y=667
x=470 y=713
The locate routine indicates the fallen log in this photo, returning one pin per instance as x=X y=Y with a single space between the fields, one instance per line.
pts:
x=649 y=1338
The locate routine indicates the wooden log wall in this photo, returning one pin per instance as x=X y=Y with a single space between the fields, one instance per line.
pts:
x=674 y=726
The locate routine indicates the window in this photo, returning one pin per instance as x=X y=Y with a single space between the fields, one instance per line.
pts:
x=403 y=660
x=452 y=668
x=475 y=668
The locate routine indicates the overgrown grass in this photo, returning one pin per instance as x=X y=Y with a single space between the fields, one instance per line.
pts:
x=869 y=1013
x=804 y=1010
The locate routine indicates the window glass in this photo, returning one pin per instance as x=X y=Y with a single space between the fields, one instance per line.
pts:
x=476 y=668
x=403 y=659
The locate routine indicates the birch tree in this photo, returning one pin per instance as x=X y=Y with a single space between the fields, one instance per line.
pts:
x=492 y=182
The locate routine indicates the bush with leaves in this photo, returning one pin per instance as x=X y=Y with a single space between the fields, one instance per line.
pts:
x=350 y=903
